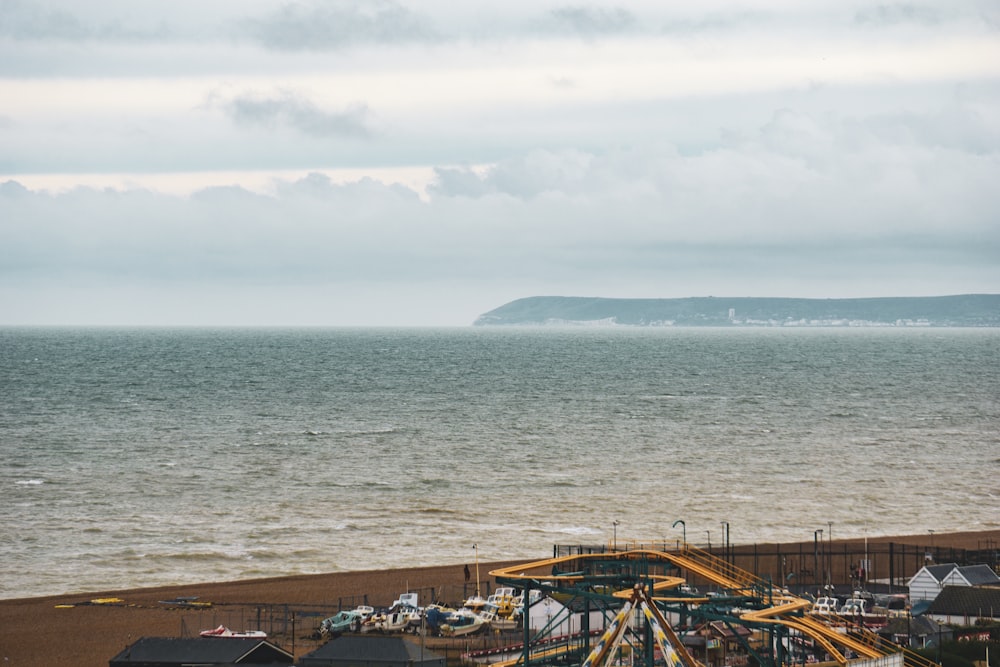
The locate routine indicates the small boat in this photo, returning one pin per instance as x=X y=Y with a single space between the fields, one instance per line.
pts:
x=490 y=613
x=475 y=602
x=505 y=600
x=223 y=631
x=342 y=621
x=463 y=622
x=436 y=615
x=392 y=620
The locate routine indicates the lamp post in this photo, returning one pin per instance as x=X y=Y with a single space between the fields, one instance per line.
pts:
x=725 y=540
x=816 y=536
x=709 y=534
x=683 y=528
x=829 y=556
x=614 y=543
x=476 y=547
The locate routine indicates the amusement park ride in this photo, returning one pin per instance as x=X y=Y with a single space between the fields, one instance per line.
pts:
x=648 y=606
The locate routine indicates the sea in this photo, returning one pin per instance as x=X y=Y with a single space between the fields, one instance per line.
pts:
x=137 y=457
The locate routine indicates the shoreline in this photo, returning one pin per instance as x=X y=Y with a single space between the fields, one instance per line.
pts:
x=44 y=630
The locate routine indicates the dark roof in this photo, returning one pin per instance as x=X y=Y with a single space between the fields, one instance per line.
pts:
x=976 y=575
x=725 y=630
x=979 y=575
x=579 y=605
x=394 y=650
x=967 y=601
x=916 y=626
x=203 y=650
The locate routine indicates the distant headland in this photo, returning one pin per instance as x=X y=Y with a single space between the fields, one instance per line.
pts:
x=965 y=310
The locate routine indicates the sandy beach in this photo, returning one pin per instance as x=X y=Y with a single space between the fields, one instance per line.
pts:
x=72 y=631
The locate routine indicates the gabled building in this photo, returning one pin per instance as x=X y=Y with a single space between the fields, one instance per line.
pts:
x=930 y=580
x=915 y=631
x=201 y=651
x=364 y=651
x=717 y=643
x=567 y=618
x=965 y=605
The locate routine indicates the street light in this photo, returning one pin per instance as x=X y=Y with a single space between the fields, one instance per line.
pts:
x=829 y=555
x=725 y=540
x=709 y=534
x=816 y=536
x=614 y=544
x=683 y=527
x=476 y=547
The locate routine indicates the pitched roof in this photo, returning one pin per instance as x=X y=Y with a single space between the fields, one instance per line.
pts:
x=939 y=572
x=374 y=649
x=206 y=650
x=976 y=575
x=916 y=626
x=726 y=630
x=979 y=575
x=966 y=601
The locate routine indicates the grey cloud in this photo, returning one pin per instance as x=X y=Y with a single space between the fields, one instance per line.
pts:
x=24 y=21
x=749 y=216
x=854 y=180
x=333 y=24
x=20 y=20
x=459 y=182
x=589 y=21
x=898 y=13
x=295 y=111
x=525 y=177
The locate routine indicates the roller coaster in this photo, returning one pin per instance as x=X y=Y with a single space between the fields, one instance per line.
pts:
x=648 y=606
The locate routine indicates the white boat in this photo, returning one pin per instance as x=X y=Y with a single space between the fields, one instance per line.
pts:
x=364 y=611
x=402 y=616
x=395 y=621
x=463 y=623
x=223 y=631
x=474 y=603
x=490 y=613
x=505 y=600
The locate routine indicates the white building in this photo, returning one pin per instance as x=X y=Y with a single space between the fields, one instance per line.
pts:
x=562 y=620
x=930 y=580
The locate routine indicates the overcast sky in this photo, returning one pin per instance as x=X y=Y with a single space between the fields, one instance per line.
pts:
x=318 y=162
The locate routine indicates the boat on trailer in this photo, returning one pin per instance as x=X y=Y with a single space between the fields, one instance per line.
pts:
x=223 y=631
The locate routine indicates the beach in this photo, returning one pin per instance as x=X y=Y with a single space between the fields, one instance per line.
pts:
x=73 y=631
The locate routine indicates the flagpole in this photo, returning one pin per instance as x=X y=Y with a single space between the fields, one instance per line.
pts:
x=476 y=547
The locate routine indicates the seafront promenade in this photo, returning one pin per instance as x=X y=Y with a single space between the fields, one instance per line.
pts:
x=64 y=631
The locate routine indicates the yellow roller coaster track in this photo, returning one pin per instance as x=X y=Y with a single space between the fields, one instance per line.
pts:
x=786 y=609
